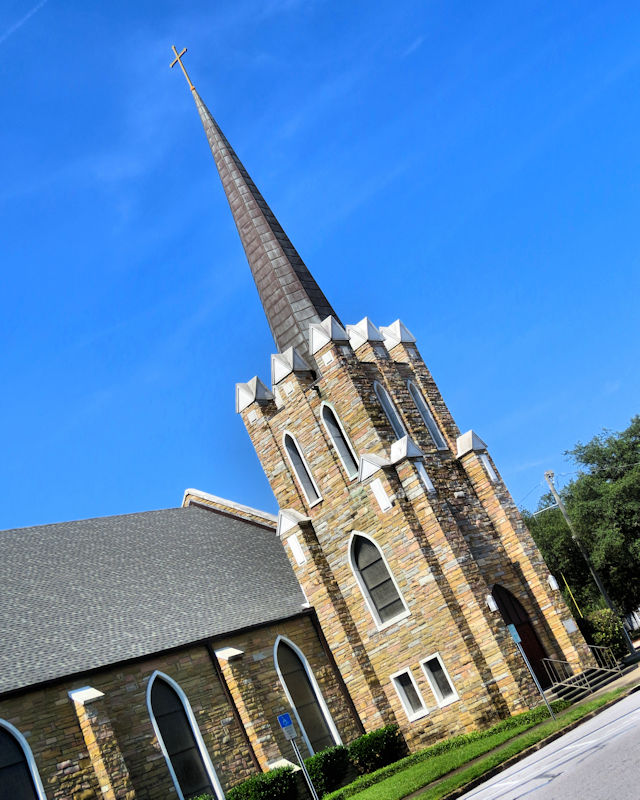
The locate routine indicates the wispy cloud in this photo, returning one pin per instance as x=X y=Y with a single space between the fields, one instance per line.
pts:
x=415 y=44
x=17 y=25
x=273 y=8
x=527 y=465
x=611 y=387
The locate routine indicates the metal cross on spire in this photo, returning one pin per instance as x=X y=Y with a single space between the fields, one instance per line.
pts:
x=291 y=298
x=177 y=60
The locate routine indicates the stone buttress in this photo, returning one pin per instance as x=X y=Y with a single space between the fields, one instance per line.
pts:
x=446 y=544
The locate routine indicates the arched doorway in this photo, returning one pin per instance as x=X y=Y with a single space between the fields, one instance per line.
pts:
x=514 y=613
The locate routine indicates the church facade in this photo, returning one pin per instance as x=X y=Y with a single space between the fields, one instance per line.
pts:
x=148 y=656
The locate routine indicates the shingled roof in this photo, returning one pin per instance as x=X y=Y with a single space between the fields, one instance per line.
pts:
x=76 y=596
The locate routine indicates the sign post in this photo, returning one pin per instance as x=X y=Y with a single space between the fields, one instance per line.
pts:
x=286 y=723
x=516 y=638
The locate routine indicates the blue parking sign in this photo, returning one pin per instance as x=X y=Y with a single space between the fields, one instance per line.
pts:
x=285 y=720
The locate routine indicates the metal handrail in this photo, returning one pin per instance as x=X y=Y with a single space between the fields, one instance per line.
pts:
x=605 y=659
x=560 y=673
x=557 y=670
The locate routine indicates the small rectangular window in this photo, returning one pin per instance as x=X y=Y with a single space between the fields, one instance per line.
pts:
x=439 y=680
x=409 y=694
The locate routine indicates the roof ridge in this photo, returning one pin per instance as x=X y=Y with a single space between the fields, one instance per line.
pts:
x=214 y=503
x=91 y=519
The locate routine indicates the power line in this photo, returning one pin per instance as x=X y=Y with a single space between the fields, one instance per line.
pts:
x=520 y=502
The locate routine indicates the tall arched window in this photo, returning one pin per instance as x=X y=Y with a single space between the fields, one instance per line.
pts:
x=376 y=581
x=390 y=410
x=301 y=470
x=180 y=739
x=340 y=441
x=427 y=416
x=19 y=779
x=316 y=726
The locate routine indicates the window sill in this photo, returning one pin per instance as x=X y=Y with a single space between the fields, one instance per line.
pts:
x=448 y=702
x=418 y=715
x=382 y=626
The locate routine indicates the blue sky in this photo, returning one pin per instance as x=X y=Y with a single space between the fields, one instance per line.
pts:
x=472 y=168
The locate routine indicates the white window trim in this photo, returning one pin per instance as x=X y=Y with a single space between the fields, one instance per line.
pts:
x=444 y=446
x=379 y=492
x=31 y=764
x=411 y=715
x=426 y=481
x=296 y=549
x=310 y=503
x=486 y=463
x=344 y=434
x=434 y=689
x=379 y=389
x=314 y=686
x=365 y=592
x=206 y=760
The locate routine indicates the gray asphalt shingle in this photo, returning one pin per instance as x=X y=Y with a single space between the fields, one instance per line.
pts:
x=79 y=595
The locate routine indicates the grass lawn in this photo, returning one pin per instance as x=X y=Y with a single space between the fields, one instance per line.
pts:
x=419 y=775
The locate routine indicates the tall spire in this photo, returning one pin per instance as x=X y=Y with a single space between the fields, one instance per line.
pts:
x=290 y=296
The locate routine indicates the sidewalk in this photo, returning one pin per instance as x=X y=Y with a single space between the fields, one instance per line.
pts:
x=629 y=681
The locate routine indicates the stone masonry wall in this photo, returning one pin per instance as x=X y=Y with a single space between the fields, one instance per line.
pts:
x=260 y=697
x=118 y=727
x=443 y=550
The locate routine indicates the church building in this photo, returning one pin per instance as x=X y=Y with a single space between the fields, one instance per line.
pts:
x=149 y=655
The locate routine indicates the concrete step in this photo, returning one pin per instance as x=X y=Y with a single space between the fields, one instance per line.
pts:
x=575 y=688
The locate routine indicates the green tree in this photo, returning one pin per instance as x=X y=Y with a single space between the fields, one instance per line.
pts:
x=604 y=505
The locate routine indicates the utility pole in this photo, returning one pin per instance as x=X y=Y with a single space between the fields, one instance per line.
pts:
x=548 y=476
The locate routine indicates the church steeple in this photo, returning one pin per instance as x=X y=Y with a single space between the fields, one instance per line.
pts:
x=290 y=296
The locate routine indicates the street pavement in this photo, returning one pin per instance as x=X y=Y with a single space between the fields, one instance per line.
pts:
x=598 y=760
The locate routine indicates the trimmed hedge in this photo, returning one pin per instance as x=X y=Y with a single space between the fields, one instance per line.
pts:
x=278 y=784
x=328 y=768
x=526 y=719
x=377 y=749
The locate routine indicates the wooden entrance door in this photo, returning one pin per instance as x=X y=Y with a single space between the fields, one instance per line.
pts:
x=514 y=613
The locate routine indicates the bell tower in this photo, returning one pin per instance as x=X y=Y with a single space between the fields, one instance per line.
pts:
x=400 y=530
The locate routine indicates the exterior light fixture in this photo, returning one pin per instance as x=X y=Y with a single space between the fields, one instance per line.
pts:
x=491 y=602
x=553 y=583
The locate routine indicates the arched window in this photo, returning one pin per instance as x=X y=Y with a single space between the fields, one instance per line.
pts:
x=390 y=410
x=316 y=726
x=376 y=581
x=180 y=739
x=301 y=470
x=340 y=441
x=427 y=416
x=19 y=779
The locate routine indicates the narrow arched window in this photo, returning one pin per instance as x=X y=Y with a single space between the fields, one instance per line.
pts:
x=180 y=739
x=340 y=441
x=390 y=410
x=427 y=416
x=19 y=779
x=301 y=469
x=376 y=581
x=304 y=695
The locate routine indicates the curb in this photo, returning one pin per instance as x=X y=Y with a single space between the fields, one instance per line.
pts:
x=472 y=784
